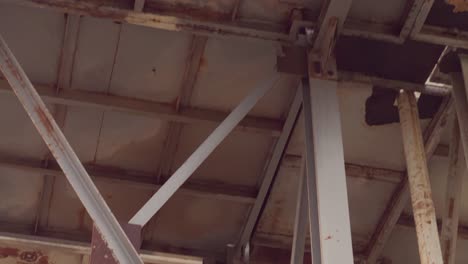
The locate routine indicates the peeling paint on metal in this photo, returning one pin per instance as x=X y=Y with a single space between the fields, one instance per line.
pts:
x=25 y=256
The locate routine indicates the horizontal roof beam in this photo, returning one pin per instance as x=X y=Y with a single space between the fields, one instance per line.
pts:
x=148 y=108
x=137 y=179
x=82 y=248
x=277 y=33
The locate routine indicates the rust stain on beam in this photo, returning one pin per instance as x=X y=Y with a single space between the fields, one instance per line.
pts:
x=418 y=178
x=165 y=22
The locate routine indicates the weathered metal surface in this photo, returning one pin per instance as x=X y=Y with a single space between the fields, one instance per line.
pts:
x=333 y=206
x=418 y=178
x=311 y=174
x=21 y=254
x=450 y=220
x=71 y=251
x=301 y=217
x=68 y=160
x=162 y=111
x=401 y=195
x=101 y=254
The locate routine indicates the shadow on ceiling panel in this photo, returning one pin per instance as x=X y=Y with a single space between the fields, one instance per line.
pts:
x=198 y=223
x=412 y=61
x=20 y=193
x=442 y=14
x=231 y=69
x=131 y=142
x=96 y=47
x=13 y=255
x=367 y=201
x=35 y=38
x=150 y=63
x=378 y=12
x=82 y=127
x=68 y=215
x=239 y=159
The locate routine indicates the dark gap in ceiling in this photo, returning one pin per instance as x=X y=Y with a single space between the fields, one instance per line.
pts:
x=381 y=109
x=411 y=62
x=442 y=15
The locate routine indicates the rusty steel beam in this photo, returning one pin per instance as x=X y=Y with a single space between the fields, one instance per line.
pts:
x=401 y=195
x=453 y=190
x=276 y=33
x=66 y=157
x=82 y=248
x=136 y=179
x=418 y=178
x=250 y=124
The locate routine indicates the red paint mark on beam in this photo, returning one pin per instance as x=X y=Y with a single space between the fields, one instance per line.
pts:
x=6 y=252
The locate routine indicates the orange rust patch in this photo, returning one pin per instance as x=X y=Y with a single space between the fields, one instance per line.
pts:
x=44 y=120
x=6 y=252
x=43 y=260
x=203 y=62
x=459 y=5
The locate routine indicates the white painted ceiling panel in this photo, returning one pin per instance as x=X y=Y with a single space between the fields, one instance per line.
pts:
x=150 y=63
x=19 y=138
x=20 y=192
x=232 y=68
x=95 y=54
x=36 y=40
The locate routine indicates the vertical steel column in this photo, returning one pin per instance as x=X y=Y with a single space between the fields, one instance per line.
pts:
x=314 y=224
x=67 y=159
x=418 y=177
x=333 y=209
x=449 y=233
x=300 y=222
x=200 y=154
